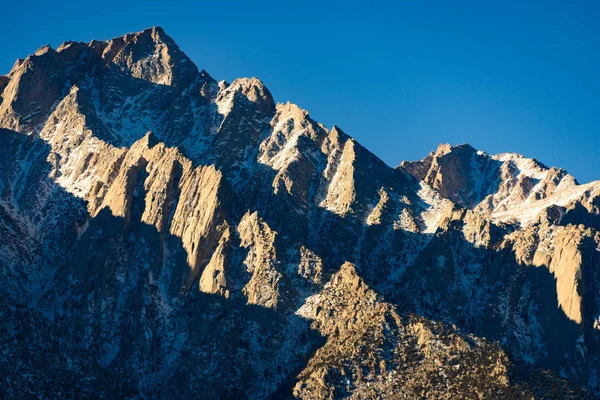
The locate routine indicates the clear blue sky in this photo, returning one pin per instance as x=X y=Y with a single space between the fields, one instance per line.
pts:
x=519 y=76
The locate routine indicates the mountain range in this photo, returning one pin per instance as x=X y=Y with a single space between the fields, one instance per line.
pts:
x=167 y=235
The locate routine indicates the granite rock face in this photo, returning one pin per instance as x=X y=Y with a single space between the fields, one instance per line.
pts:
x=165 y=235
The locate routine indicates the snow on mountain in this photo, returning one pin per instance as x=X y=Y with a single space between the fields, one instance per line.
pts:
x=166 y=235
x=507 y=187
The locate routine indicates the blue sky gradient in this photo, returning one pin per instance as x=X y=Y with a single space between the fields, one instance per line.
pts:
x=502 y=76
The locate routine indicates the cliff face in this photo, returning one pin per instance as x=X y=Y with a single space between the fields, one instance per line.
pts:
x=166 y=235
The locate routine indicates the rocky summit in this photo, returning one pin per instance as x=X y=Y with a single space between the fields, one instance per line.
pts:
x=164 y=235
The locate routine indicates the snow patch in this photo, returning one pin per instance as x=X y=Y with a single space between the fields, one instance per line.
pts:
x=306 y=311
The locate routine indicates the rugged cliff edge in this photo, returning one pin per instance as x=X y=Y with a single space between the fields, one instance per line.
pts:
x=165 y=235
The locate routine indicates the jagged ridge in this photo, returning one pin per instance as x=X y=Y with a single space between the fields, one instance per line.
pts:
x=189 y=260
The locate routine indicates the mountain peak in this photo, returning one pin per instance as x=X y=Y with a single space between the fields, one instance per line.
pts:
x=251 y=90
x=445 y=148
x=335 y=129
x=154 y=33
x=43 y=50
x=151 y=55
x=157 y=30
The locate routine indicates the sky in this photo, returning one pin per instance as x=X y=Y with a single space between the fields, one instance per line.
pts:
x=400 y=78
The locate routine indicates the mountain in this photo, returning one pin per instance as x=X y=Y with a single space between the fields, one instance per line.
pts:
x=166 y=235
x=505 y=187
